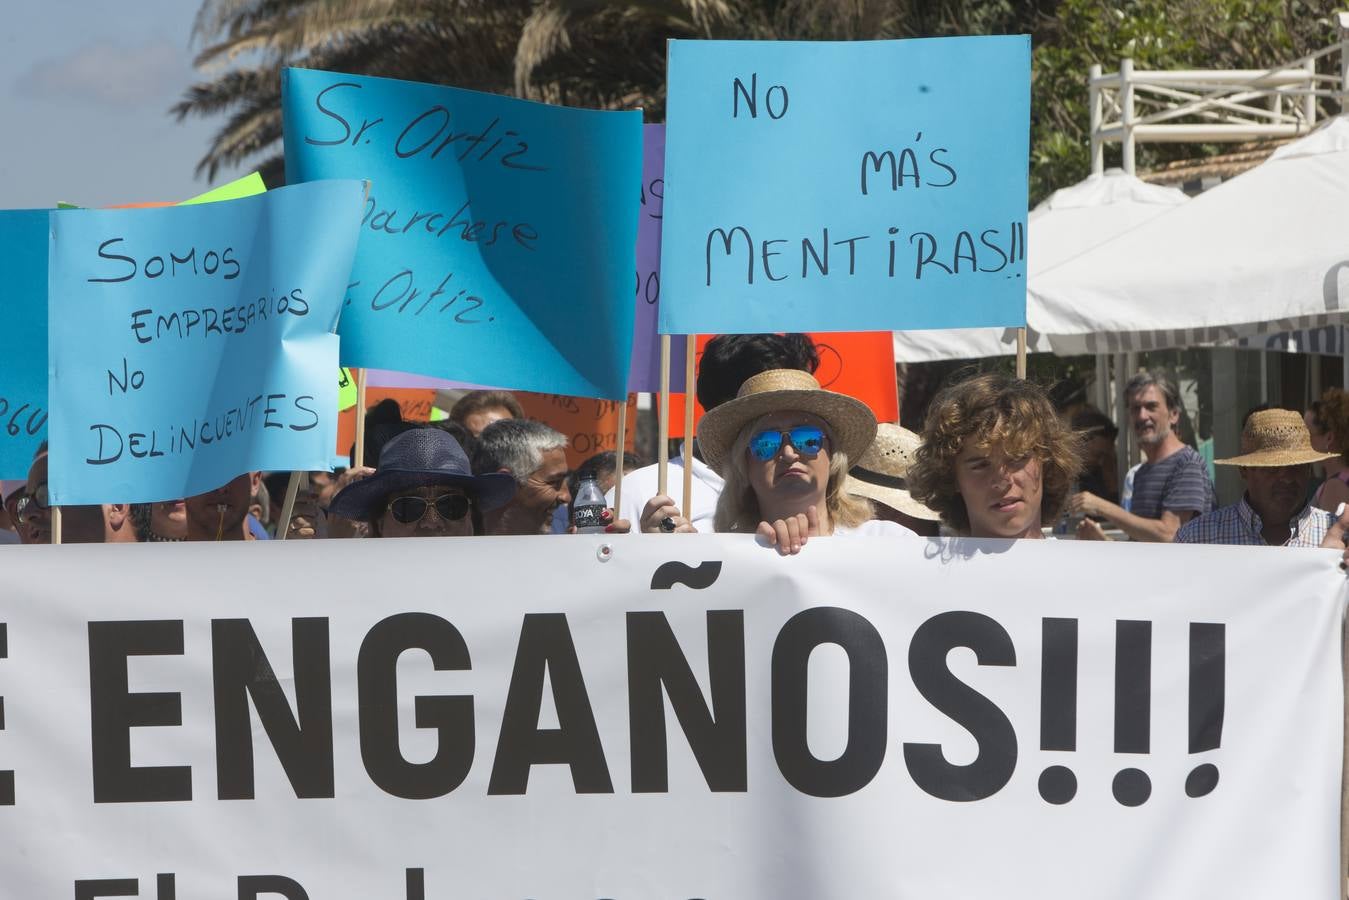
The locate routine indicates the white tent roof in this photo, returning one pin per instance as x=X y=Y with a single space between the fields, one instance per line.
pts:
x=1265 y=252
x=1072 y=220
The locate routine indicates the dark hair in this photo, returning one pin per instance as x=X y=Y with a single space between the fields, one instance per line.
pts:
x=729 y=360
x=1159 y=380
x=383 y=423
x=462 y=435
x=991 y=409
x=602 y=464
x=477 y=401
x=1331 y=414
x=1091 y=423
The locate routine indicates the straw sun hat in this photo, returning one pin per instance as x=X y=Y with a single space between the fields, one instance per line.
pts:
x=851 y=424
x=882 y=472
x=1275 y=437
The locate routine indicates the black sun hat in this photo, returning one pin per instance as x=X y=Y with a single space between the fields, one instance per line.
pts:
x=418 y=458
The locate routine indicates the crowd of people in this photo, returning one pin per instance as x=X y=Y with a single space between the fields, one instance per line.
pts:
x=778 y=456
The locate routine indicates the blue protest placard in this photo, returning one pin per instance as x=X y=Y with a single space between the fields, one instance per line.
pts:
x=498 y=242
x=23 y=330
x=845 y=186
x=190 y=344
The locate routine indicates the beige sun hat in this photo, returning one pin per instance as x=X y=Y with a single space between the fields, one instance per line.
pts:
x=1276 y=437
x=882 y=472
x=851 y=423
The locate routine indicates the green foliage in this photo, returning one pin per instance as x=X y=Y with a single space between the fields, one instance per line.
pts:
x=1156 y=34
x=611 y=53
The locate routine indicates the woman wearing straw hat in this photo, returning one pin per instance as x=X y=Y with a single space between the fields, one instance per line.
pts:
x=783 y=446
x=996 y=460
x=1276 y=467
x=424 y=487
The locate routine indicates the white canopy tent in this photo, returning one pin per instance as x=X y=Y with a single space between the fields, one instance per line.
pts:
x=1265 y=252
x=1069 y=222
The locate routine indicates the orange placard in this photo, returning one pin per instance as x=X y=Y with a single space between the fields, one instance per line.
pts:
x=860 y=364
x=414 y=403
x=591 y=425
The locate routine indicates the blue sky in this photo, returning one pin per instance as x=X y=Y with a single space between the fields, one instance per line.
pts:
x=85 y=87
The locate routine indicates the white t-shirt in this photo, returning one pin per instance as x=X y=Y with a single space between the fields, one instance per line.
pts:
x=874 y=527
x=639 y=486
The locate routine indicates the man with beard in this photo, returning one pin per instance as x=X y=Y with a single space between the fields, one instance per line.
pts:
x=221 y=514
x=1170 y=489
x=1276 y=457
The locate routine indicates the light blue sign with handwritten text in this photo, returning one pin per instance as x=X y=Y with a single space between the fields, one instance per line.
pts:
x=191 y=344
x=23 y=338
x=498 y=242
x=845 y=186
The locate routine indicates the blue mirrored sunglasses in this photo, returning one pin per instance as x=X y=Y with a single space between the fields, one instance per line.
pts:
x=806 y=440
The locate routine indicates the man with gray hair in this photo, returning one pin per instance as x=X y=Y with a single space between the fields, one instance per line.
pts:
x=1170 y=488
x=535 y=455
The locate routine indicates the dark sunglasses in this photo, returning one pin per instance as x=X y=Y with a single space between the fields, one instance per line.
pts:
x=30 y=505
x=807 y=440
x=450 y=507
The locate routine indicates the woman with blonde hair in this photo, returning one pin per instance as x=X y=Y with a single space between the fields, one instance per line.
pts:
x=783 y=447
x=996 y=460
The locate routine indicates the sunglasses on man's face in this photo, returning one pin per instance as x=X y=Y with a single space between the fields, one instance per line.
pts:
x=806 y=440
x=31 y=505
x=450 y=507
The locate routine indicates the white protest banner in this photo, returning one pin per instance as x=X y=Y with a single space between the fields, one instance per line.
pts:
x=669 y=718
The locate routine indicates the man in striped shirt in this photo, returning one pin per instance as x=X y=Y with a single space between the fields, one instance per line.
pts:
x=1275 y=461
x=1170 y=489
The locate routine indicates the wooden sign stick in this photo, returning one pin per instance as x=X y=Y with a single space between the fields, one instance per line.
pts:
x=619 y=452
x=360 y=418
x=1021 y=353
x=298 y=481
x=663 y=428
x=56 y=525
x=690 y=346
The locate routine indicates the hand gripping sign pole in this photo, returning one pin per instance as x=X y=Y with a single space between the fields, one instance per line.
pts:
x=619 y=453
x=298 y=481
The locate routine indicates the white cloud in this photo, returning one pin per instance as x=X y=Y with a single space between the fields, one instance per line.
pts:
x=107 y=74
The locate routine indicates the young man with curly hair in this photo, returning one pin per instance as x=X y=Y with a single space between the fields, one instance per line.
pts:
x=996 y=460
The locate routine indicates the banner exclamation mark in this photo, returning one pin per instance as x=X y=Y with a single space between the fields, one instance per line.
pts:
x=1058 y=705
x=1208 y=693
x=1133 y=707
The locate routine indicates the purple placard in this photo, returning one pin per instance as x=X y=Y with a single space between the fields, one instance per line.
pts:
x=384 y=378
x=644 y=371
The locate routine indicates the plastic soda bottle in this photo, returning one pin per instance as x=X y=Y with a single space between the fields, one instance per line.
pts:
x=587 y=507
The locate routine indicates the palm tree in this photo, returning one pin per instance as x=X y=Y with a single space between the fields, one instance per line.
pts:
x=612 y=52
x=599 y=53
x=469 y=43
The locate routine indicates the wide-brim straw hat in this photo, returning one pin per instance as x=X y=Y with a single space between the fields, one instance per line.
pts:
x=852 y=426
x=418 y=458
x=882 y=472
x=1276 y=437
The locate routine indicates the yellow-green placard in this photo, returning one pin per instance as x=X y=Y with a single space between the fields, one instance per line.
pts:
x=346 y=389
